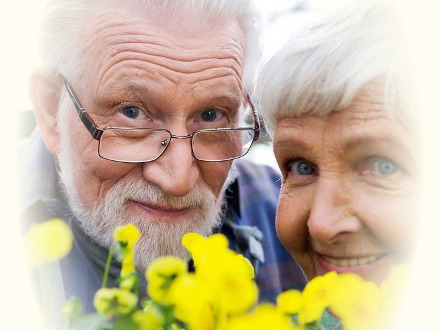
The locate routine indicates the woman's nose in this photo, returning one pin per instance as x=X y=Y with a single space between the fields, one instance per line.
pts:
x=333 y=211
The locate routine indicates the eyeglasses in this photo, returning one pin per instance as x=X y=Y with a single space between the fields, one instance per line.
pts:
x=142 y=145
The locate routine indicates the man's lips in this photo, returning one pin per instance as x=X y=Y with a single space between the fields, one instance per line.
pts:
x=159 y=209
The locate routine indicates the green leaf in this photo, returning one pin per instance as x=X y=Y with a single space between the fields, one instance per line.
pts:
x=317 y=325
x=90 y=322
x=125 y=323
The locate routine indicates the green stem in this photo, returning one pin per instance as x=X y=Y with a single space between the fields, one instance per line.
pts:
x=107 y=265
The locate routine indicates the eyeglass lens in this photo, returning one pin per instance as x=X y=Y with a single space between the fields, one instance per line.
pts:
x=143 y=145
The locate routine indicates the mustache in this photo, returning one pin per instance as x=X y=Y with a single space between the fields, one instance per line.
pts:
x=143 y=191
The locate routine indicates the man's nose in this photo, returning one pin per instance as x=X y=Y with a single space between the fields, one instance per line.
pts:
x=176 y=172
x=333 y=211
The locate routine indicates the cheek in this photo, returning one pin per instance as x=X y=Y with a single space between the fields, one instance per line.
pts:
x=291 y=223
x=95 y=176
x=215 y=175
x=394 y=221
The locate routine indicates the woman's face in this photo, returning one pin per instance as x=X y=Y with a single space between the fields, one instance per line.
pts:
x=348 y=199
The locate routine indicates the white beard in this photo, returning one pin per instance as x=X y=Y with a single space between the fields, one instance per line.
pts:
x=158 y=238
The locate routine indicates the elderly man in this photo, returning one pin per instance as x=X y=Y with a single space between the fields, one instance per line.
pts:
x=138 y=110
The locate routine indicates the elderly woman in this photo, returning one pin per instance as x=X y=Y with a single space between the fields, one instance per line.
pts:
x=336 y=102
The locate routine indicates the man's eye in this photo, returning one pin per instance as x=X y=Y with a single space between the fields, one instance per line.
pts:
x=384 y=166
x=131 y=112
x=302 y=167
x=209 y=115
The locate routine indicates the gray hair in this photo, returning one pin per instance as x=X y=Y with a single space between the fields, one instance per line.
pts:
x=324 y=65
x=63 y=42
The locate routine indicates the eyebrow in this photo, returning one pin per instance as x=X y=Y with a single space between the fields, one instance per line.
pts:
x=220 y=93
x=291 y=141
x=302 y=142
x=370 y=139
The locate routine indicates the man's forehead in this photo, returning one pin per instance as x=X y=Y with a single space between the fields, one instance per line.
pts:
x=109 y=34
x=128 y=56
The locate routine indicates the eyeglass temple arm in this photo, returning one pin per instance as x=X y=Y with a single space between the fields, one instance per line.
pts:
x=82 y=113
x=256 y=119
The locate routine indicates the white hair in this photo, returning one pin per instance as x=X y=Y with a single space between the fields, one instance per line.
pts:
x=63 y=42
x=325 y=64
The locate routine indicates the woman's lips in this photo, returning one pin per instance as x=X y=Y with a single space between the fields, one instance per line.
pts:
x=352 y=261
x=352 y=264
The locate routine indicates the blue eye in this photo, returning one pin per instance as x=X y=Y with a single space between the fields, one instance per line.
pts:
x=302 y=167
x=131 y=112
x=385 y=166
x=209 y=115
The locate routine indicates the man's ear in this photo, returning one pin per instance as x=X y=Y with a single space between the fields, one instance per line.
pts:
x=245 y=102
x=44 y=90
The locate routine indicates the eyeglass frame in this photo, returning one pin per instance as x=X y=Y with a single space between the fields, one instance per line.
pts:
x=97 y=132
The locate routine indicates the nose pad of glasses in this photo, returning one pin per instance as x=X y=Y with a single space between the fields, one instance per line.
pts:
x=165 y=143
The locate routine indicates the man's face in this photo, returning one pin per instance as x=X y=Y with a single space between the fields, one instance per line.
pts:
x=348 y=200
x=142 y=75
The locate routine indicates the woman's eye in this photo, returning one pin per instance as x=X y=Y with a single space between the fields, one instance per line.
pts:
x=379 y=166
x=302 y=167
x=384 y=166
x=131 y=112
x=210 y=115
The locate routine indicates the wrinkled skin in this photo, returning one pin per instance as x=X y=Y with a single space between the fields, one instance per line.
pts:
x=349 y=195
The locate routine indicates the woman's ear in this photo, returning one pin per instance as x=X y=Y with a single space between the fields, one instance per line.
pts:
x=44 y=89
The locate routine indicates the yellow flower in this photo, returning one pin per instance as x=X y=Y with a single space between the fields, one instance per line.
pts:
x=289 y=302
x=194 y=303
x=227 y=274
x=114 y=301
x=127 y=236
x=264 y=317
x=149 y=319
x=127 y=263
x=161 y=273
x=201 y=247
x=356 y=302
x=48 y=241
x=392 y=291
x=129 y=282
x=316 y=297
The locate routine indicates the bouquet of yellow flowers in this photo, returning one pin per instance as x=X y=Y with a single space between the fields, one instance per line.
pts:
x=222 y=295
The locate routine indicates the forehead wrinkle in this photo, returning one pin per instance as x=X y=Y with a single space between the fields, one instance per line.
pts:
x=373 y=124
x=304 y=131
x=204 y=65
x=121 y=40
x=183 y=54
x=124 y=74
